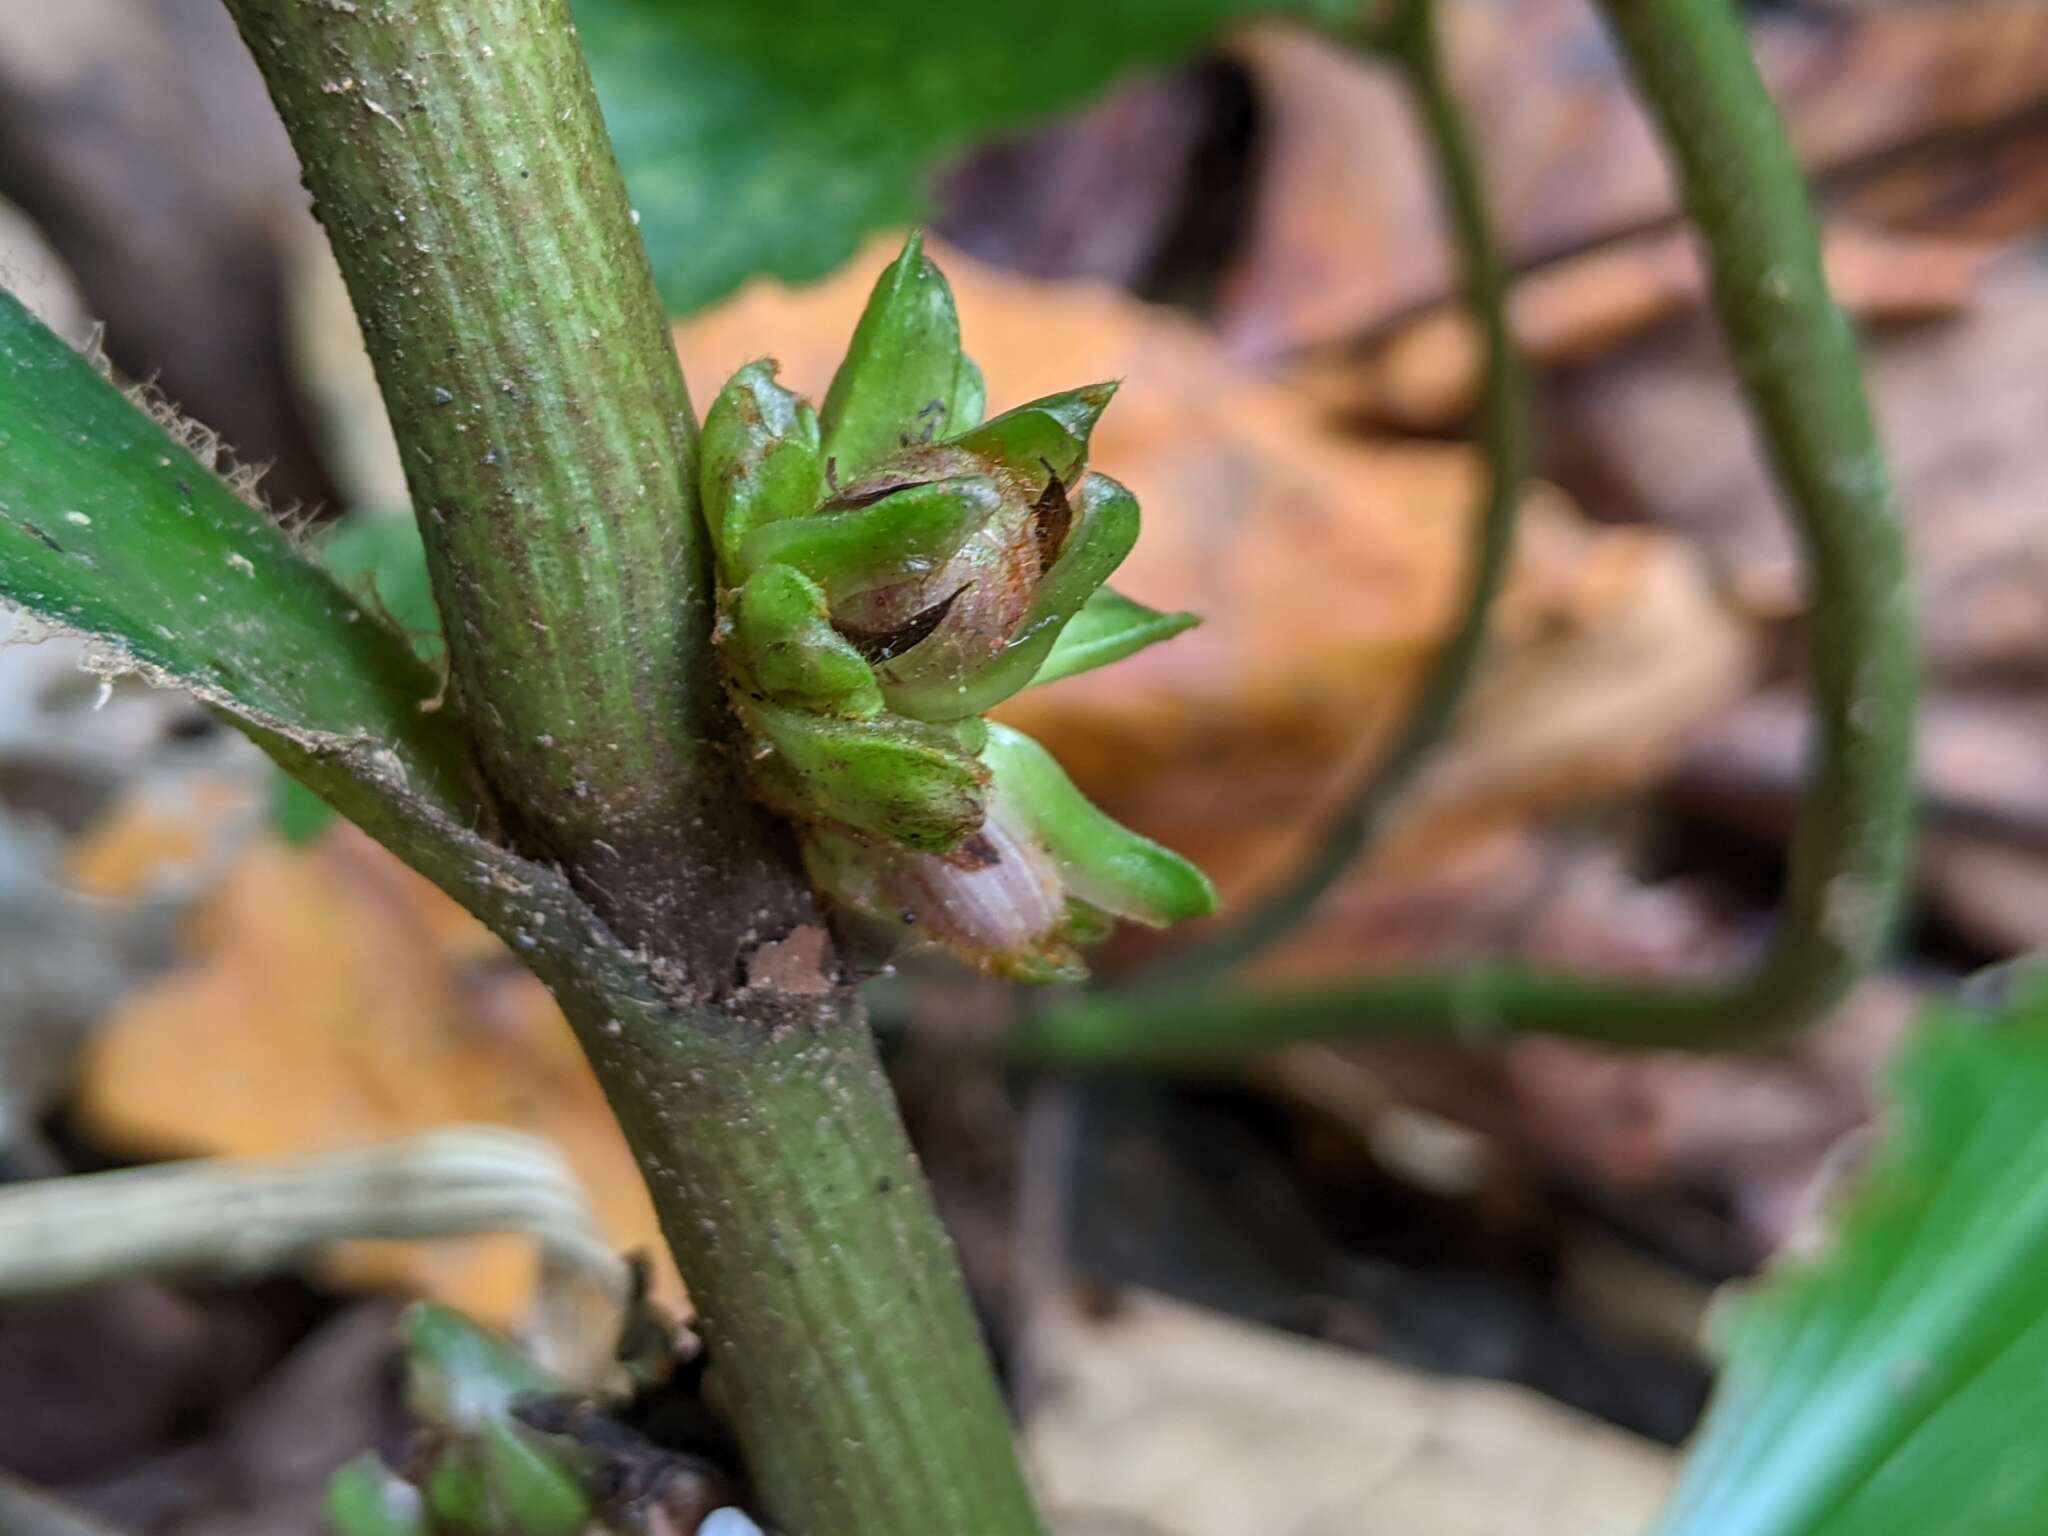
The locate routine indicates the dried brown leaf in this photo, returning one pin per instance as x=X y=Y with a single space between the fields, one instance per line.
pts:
x=1205 y=1426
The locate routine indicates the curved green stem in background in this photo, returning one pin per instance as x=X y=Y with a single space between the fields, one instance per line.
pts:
x=1797 y=361
x=1410 y=39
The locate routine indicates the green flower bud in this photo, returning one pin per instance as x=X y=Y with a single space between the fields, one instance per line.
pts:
x=1043 y=873
x=891 y=568
x=1010 y=595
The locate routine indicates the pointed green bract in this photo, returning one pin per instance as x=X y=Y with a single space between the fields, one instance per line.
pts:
x=906 y=534
x=783 y=636
x=970 y=396
x=904 y=381
x=1103 y=863
x=760 y=460
x=941 y=680
x=1108 y=628
x=1044 y=436
x=901 y=781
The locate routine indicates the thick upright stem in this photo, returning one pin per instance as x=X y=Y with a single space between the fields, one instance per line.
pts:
x=841 y=1342
x=457 y=159
x=456 y=156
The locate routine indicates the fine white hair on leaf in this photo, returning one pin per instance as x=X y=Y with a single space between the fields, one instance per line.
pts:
x=196 y=438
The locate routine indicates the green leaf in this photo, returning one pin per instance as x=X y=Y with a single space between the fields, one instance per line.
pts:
x=1108 y=629
x=366 y=1498
x=460 y=1375
x=110 y=528
x=1897 y=1386
x=1102 y=862
x=771 y=138
x=904 y=380
x=491 y=1476
x=458 y=1492
x=379 y=559
x=533 y=1493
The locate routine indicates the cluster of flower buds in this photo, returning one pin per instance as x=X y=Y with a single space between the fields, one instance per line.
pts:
x=892 y=566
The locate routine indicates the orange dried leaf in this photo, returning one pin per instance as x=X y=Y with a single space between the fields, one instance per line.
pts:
x=334 y=998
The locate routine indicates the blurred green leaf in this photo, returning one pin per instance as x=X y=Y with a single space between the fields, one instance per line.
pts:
x=366 y=1498
x=460 y=1374
x=297 y=814
x=489 y=1475
x=1897 y=1386
x=770 y=138
x=536 y=1493
x=378 y=557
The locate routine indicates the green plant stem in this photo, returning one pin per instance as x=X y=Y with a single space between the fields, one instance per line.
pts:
x=457 y=159
x=842 y=1344
x=1795 y=353
x=1797 y=361
x=1410 y=41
